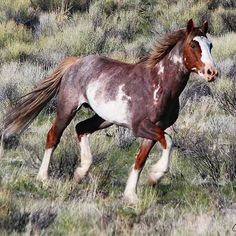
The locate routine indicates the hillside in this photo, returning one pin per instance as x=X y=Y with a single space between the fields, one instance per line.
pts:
x=196 y=197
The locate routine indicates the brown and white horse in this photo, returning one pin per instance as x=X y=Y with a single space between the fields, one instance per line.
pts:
x=143 y=97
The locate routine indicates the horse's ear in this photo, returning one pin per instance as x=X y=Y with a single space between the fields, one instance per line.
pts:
x=190 y=26
x=205 y=26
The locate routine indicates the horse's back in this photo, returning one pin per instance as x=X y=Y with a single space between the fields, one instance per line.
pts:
x=104 y=88
x=110 y=87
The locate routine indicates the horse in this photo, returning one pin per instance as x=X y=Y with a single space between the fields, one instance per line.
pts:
x=142 y=96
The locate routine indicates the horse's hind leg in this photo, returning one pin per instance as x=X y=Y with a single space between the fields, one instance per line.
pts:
x=64 y=116
x=83 y=129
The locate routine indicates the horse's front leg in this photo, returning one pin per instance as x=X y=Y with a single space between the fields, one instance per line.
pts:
x=161 y=167
x=130 y=194
x=149 y=130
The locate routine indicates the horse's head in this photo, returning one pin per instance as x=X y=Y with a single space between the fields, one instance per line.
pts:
x=197 y=52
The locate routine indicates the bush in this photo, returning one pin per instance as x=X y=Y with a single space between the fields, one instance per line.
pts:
x=48 y=24
x=54 y=5
x=222 y=21
x=224 y=46
x=11 y=32
x=11 y=218
x=175 y=16
x=18 y=11
x=205 y=137
x=81 y=39
x=16 y=51
x=224 y=93
x=14 y=41
x=17 y=79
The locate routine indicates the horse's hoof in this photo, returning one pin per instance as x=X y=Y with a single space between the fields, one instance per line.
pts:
x=153 y=181
x=42 y=178
x=130 y=198
x=77 y=178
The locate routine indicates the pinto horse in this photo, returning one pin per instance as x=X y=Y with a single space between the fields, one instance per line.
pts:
x=143 y=97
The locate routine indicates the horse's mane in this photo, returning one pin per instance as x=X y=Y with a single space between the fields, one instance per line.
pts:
x=163 y=47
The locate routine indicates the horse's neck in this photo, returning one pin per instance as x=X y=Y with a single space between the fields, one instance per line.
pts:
x=172 y=71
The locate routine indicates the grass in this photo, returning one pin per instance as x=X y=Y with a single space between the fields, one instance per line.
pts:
x=196 y=197
x=224 y=46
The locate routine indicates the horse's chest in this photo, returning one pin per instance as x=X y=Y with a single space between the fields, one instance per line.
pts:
x=170 y=113
x=163 y=107
x=112 y=106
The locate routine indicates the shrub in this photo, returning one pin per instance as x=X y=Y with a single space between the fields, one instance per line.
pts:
x=19 y=11
x=48 y=24
x=17 y=79
x=81 y=39
x=14 y=41
x=224 y=46
x=128 y=25
x=11 y=217
x=10 y=32
x=16 y=51
x=205 y=137
x=175 y=16
x=53 y=5
x=228 y=3
x=137 y=49
x=124 y=22
x=195 y=90
x=229 y=19
x=41 y=219
x=224 y=93
x=222 y=21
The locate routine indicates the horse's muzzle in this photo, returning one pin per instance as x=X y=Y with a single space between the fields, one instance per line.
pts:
x=210 y=73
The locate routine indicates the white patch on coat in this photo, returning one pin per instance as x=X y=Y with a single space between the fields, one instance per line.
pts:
x=161 y=167
x=43 y=170
x=177 y=59
x=161 y=69
x=114 y=111
x=81 y=101
x=155 y=93
x=204 y=43
x=130 y=189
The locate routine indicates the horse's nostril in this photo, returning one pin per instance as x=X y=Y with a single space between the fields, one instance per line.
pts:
x=216 y=74
x=209 y=72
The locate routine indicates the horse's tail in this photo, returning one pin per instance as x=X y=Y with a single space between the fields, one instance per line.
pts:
x=30 y=105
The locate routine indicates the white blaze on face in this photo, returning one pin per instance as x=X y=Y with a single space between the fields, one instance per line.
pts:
x=205 y=48
x=114 y=110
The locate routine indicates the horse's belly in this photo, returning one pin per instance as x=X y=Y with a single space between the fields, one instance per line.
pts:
x=114 y=109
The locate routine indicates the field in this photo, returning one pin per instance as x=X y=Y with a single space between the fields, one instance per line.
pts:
x=198 y=194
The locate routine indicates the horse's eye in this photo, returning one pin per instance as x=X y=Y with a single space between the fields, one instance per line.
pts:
x=193 y=45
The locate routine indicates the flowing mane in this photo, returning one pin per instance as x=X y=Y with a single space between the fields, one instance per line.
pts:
x=163 y=47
